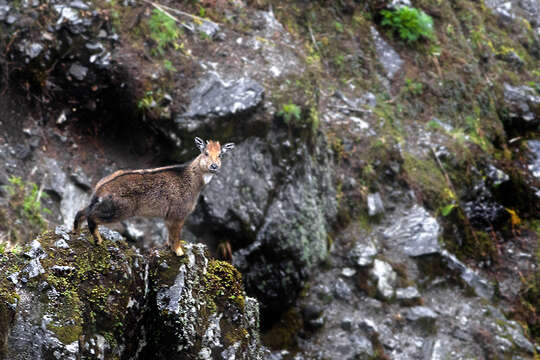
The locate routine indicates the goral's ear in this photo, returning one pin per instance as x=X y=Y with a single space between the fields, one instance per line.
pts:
x=200 y=143
x=227 y=147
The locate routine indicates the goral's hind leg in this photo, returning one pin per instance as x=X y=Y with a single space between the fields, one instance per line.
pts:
x=93 y=227
x=175 y=227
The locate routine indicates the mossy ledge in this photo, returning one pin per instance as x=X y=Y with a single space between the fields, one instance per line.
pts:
x=72 y=297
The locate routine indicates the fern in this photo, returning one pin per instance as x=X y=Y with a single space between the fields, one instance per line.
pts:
x=410 y=23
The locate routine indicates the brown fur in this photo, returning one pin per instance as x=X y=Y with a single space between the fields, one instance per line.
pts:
x=169 y=192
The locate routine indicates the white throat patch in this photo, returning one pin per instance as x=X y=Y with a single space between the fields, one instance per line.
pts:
x=207 y=178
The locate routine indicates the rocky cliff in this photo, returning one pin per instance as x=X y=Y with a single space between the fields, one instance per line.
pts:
x=382 y=200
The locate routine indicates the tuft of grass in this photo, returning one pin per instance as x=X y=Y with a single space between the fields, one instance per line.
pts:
x=25 y=199
x=410 y=23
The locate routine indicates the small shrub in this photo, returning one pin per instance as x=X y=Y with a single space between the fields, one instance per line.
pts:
x=410 y=23
x=163 y=30
x=414 y=87
x=290 y=113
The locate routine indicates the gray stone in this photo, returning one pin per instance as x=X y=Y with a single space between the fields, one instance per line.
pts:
x=348 y=272
x=496 y=176
x=375 y=204
x=480 y=285
x=78 y=71
x=342 y=290
x=34 y=268
x=385 y=278
x=110 y=235
x=408 y=294
x=61 y=244
x=31 y=49
x=515 y=332
x=521 y=105
x=62 y=231
x=508 y=10
x=209 y=28
x=72 y=197
x=395 y=4
x=416 y=313
x=368 y=99
x=35 y=251
x=369 y=326
x=387 y=56
x=62 y=269
x=433 y=349
x=417 y=233
x=534 y=164
x=216 y=97
x=363 y=253
x=14 y=278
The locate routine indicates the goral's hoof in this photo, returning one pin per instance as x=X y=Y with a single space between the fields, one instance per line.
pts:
x=177 y=249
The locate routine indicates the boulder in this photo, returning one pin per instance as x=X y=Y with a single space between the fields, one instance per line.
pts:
x=520 y=108
x=217 y=97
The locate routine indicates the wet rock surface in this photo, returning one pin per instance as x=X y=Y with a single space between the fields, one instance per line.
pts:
x=113 y=302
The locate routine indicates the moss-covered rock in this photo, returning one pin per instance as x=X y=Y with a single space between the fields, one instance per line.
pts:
x=111 y=302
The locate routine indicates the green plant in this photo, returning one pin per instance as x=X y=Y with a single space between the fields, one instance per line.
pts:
x=446 y=210
x=290 y=113
x=410 y=23
x=339 y=26
x=147 y=101
x=25 y=198
x=169 y=66
x=163 y=30
x=414 y=87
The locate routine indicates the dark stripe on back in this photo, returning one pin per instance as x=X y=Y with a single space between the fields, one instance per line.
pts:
x=176 y=168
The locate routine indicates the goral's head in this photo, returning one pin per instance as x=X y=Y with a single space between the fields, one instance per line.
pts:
x=211 y=153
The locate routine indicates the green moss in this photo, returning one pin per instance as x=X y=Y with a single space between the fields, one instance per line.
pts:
x=425 y=177
x=223 y=283
x=66 y=333
x=93 y=294
x=169 y=265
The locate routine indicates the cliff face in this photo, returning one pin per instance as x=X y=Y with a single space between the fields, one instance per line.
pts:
x=65 y=298
x=382 y=199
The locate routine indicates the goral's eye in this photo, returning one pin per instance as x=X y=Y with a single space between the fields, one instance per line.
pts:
x=206 y=153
